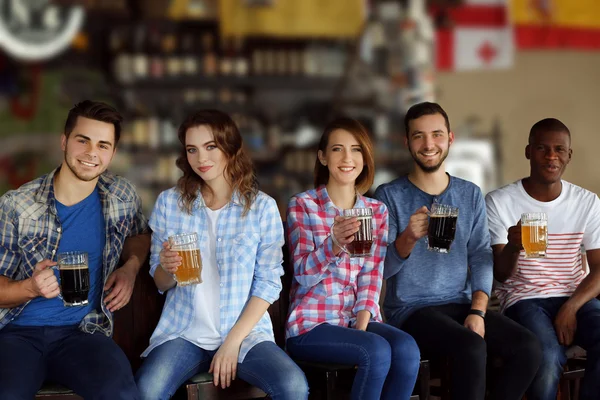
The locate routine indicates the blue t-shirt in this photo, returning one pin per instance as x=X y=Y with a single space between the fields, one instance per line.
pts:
x=427 y=278
x=83 y=229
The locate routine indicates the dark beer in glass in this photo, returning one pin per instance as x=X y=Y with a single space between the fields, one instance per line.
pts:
x=363 y=239
x=74 y=278
x=442 y=227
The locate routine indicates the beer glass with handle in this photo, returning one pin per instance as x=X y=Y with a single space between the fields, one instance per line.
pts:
x=190 y=270
x=442 y=227
x=363 y=239
x=534 y=234
x=74 y=277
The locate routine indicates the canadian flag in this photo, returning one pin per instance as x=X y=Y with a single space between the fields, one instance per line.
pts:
x=478 y=35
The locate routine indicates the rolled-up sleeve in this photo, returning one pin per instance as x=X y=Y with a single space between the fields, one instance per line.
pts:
x=266 y=283
x=158 y=224
x=311 y=262
x=10 y=257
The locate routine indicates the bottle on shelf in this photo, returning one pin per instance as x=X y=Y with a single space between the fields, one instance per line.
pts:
x=123 y=60
x=170 y=46
x=140 y=66
x=189 y=58
x=240 y=66
x=227 y=59
x=157 y=62
x=209 y=58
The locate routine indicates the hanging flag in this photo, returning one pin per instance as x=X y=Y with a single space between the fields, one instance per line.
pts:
x=557 y=24
x=476 y=35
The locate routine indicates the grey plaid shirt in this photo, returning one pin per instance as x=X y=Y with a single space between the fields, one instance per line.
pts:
x=30 y=232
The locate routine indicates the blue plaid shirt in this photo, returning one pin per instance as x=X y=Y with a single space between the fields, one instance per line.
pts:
x=248 y=254
x=30 y=232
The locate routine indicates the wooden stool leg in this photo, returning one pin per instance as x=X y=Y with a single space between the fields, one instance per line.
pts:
x=192 y=392
x=330 y=377
x=424 y=378
x=564 y=392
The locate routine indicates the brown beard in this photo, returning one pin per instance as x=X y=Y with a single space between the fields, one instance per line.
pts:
x=79 y=176
x=430 y=169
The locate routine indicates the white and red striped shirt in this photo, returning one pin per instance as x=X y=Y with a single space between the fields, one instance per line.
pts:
x=573 y=221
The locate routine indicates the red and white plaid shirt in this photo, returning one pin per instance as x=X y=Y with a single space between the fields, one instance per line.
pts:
x=328 y=288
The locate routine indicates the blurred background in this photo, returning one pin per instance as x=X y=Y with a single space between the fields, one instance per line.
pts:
x=284 y=68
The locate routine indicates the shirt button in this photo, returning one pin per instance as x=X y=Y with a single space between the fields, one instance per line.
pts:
x=53 y=251
x=58 y=229
x=219 y=239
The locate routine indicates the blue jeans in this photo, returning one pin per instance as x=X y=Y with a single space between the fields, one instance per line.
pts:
x=92 y=365
x=538 y=316
x=266 y=366
x=387 y=358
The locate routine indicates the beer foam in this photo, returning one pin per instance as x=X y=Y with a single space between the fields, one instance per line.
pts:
x=73 y=267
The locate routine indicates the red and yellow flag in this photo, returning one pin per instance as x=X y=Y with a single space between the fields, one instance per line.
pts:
x=554 y=24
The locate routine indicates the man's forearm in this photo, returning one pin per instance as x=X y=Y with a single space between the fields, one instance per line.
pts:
x=505 y=263
x=588 y=289
x=479 y=301
x=15 y=293
x=404 y=245
x=135 y=251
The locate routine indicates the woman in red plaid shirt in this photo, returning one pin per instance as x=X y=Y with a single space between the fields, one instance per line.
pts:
x=334 y=310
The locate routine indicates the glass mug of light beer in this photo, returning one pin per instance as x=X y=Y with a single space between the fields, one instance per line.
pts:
x=534 y=234
x=442 y=227
x=363 y=239
x=74 y=278
x=190 y=270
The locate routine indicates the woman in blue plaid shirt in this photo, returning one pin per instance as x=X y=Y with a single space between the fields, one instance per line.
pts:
x=220 y=325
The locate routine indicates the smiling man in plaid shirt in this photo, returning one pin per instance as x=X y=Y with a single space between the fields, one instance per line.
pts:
x=77 y=207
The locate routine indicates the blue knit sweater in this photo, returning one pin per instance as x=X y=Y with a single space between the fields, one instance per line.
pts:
x=427 y=278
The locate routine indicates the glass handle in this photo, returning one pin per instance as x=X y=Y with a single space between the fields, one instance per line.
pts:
x=56 y=268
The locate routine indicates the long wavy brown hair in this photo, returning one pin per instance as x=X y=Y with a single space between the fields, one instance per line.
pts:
x=356 y=129
x=239 y=171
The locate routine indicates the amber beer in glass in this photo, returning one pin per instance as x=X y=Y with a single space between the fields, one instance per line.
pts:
x=442 y=227
x=363 y=239
x=187 y=246
x=74 y=278
x=534 y=234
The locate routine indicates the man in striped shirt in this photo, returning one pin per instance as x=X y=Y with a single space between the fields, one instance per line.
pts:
x=551 y=296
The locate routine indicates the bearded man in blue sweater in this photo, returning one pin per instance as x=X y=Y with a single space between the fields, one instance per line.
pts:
x=441 y=299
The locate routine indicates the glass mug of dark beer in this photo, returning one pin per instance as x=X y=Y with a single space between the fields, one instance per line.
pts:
x=190 y=270
x=442 y=227
x=74 y=277
x=363 y=239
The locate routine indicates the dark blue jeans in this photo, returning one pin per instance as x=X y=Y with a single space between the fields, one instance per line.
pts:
x=387 y=358
x=90 y=364
x=265 y=366
x=538 y=316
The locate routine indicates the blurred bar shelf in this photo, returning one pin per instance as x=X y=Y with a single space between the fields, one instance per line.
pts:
x=258 y=82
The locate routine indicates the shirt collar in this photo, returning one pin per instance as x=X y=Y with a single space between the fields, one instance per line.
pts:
x=45 y=193
x=235 y=200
